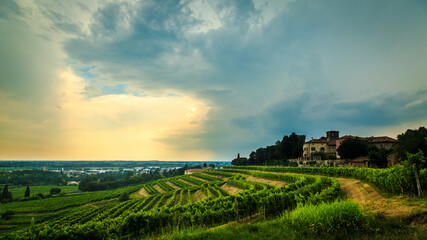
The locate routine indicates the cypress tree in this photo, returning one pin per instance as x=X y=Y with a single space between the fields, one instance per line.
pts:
x=27 y=192
x=5 y=194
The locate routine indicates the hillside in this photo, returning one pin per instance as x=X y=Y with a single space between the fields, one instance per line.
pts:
x=202 y=201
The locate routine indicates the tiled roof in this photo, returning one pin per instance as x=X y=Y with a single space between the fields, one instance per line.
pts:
x=317 y=141
x=384 y=139
x=194 y=170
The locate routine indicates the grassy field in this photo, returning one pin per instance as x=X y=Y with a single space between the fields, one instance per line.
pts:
x=338 y=220
x=19 y=191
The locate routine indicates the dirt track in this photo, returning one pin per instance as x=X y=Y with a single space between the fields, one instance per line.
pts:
x=371 y=200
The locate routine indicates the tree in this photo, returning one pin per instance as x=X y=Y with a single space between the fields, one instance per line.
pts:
x=124 y=197
x=55 y=191
x=212 y=165
x=417 y=159
x=378 y=156
x=27 y=192
x=240 y=162
x=205 y=165
x=411 y=141
x=353 y=148
x=292 y=146
x=6 y=196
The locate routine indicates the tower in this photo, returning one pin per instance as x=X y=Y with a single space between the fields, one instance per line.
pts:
x=332 y=135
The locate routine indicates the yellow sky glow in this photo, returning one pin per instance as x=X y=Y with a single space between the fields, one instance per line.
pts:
x=122 y=127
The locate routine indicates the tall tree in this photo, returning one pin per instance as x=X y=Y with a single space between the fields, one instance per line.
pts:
x=378 y=156
x=411 y=141
x=417 y=159
x=27 y=192
x=6 y=196
x=353 y=148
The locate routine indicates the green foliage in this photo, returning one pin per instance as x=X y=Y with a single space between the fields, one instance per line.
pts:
x=395 y=180
x=340 y=216
x=136 y=218
x=416 y=158
x=27 y=192
x=242 y=161
x=55 y=191
x=7 y=215
x=378 y=156
x=124 y=197
x=323 y=155
x=353 y=148
x=411 y=141
x=6 y=196
x=290 y=147
x=32 y=177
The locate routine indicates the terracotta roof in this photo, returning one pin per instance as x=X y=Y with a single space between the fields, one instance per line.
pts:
x=317 y=141
x=384 y=139
x=194 y=170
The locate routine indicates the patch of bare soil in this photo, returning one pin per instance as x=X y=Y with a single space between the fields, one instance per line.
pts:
x=143 y=193
x=158 y=189
x=200 y=179
x=230 y=189
x=189 y=183
x=263 y=180
x=172 y=185
x=199 y=195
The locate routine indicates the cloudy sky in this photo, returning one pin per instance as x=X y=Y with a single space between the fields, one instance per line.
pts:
x=204 y=80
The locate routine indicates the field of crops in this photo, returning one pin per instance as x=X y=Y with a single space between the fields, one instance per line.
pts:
x=202 y=199
x=19 y=191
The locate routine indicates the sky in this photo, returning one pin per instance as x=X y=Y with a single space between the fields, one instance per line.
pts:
x=204 y=80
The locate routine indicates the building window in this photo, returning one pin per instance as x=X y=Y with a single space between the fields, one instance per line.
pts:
x=305 y=149
x=313 y=149
x=322 y=149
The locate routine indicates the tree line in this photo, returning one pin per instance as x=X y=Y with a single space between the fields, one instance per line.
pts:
x=278 y=154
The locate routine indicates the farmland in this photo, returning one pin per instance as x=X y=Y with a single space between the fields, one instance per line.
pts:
x=198 y=201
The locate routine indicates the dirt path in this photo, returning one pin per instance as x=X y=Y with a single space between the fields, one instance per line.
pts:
x=372 y=201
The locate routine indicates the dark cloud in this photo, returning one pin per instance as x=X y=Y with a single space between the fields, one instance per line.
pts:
x=314 y=67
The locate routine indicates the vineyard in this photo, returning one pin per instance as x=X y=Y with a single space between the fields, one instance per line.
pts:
x=206 y=199
x=202 y=199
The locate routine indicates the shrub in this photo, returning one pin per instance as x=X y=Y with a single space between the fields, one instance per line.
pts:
x=55 y=191
x=124 y=197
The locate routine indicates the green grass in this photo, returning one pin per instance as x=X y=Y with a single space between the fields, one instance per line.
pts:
x=58 y=203
x=338 y=220
x=19 y=191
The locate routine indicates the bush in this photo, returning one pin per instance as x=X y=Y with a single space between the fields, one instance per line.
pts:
x=124 y=197
x=55 y=191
